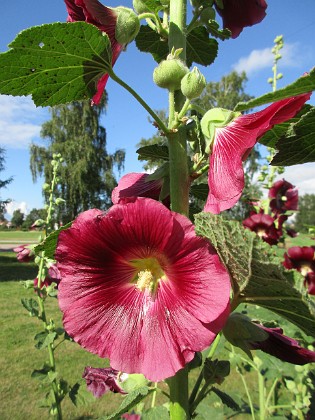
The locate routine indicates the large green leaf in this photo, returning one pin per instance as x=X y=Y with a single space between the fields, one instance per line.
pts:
x=298 y=144
x=55 y=63
x=302 y=85
x=257 y=275
x=200 y=191
x=233 y=243
x=149 y=41
x=200 y=48
x=272 y=136
x=154 y=151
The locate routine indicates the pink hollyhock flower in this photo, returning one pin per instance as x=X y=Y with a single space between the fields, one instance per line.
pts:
x=264 y=226
x=52 y=277
x=237 y=14
x=102 y=380
x=139 y=287
x=283 y=347
x=233 y=143
x=25 y=253
x=104 y=18
x=137 y=185
x=283 y=197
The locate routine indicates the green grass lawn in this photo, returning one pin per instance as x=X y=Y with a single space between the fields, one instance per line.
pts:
x=19 y=236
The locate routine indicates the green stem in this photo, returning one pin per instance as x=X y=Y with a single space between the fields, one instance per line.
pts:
x=178 y=384
x=271 y=391
x=250 y=402
x=159 y=122
x=262 y=392
x=154 y=395
x=181 y=114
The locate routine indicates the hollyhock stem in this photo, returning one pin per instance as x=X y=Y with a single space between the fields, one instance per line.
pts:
x=159 y=122
x=179 y=188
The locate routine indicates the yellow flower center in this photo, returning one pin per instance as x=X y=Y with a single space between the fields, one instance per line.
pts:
x=148 y=274
x=306 y=268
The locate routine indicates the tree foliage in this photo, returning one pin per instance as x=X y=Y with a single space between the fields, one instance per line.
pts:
x=306 y=214
x=32 y=216
x=87 y=174
x=3 y=183
x=17 y=218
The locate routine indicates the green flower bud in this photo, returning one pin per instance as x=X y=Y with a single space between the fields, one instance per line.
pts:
x=169 y=73
x=207 y=14
x=140 y=6
x=192 y=84
x=59 y=201
x=46 y=187
x=127 y=25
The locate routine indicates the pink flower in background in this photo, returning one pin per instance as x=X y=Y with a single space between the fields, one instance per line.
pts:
x=132 y=416
x=283 y=197
x=139 y=287
x=104 y=18
x=237 y=14
x=25 y=253
x=264 y=226
x=102 y=380
x=301 y=259
x=283 y=347
x=309 y=282
x=137 y=185
x=233 y=143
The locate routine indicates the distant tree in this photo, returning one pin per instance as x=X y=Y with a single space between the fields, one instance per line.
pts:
x=3 y=183
x=34 y=214
x=17 y=219
x=306 y=214
x=87 y=174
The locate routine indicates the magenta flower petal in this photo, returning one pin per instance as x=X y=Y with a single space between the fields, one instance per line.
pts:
x=138 y=286
x=237 y=14
x=283 y=347
x=232 y=145
x=132 y=416
x=25 y=253
x=104 y=18
x=137 y=185
x=102 y=380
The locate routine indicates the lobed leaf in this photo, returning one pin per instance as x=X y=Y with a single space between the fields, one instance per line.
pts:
x=150 y=41
x=200 y=191
x=297 y=145
x=257 y=275
x=200 y=48
x=302 y=85
x=55 y=63
x=153 y=151
x=31 y=306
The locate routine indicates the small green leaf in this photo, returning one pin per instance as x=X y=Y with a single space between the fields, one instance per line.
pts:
x=44 y=339
x=298 y=144
x=153 y=6
x=302 y=85
x=156 y=413
x=226 y=399
x=129 y=402
x=149 y=41
x=31 y=306
x=55 y=63
x=200 y=191
x=233 y=243
x=214 y=29
x=200 y=48
x=41 y=373
x=272 y=136
x=50 y=242
x=79 y=395
x=154 y=152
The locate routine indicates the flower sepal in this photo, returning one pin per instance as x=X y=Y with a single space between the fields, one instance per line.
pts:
x=127 y=25
x=215 y=118
x=131 y=382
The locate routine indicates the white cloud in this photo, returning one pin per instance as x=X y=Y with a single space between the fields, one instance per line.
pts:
x=14 y=205
x=20 y=121
x=302 y=176
x=260 y=59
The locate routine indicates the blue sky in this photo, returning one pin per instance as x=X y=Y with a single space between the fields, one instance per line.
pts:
x=126 y=121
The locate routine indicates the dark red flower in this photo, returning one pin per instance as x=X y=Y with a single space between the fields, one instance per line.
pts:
x=25 y=253
x=264 y=226
x=283 y=347
x=138 y=286
x=301 y=259
x=137 y=185
x=104 y=18
x=233 y=143
x=237 y=14
x=309 y=282
x=102 y=380
x=283 y=197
